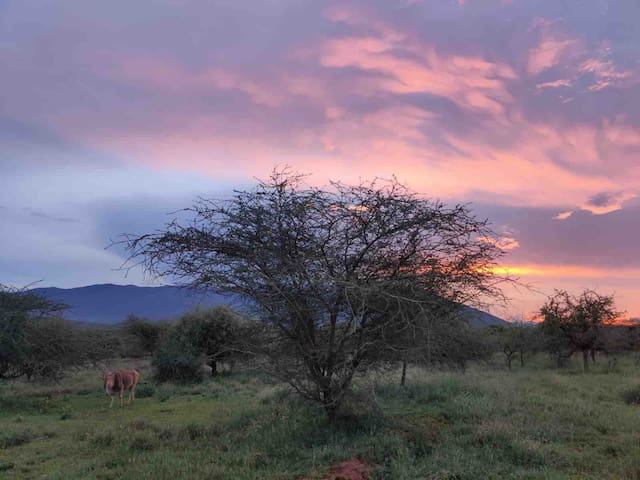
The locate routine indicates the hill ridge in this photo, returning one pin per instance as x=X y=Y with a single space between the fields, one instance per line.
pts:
x=108 y=303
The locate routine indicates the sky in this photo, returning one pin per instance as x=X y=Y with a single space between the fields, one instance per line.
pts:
x=114 y=114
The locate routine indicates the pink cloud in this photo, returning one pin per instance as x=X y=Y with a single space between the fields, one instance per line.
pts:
x=504 y=243
x=549 y=52
x=607 y=203
x=555 y=84
x=500 y=151
x=471 y=82
x=563 y=215
x=605 y=72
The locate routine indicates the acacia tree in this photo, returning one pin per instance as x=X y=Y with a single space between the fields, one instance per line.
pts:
x=433 y=332
x=516 y=338
x=19 y=309
x=215 y=332
x=578 y=321
x=147 y=333
x=614 y=340
x=325 y=267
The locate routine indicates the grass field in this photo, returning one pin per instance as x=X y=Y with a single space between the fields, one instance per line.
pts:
x=532 y=423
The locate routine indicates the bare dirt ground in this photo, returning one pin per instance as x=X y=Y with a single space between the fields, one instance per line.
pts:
x=352 y=469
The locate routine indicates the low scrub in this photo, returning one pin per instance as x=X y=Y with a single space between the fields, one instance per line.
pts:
x=13 y=439
x=145 y=390
x=632 y=395
x=177 y=361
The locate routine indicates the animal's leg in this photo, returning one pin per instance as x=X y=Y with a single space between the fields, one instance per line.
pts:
x=121 y=399
x=130 y=397
x=111 y=404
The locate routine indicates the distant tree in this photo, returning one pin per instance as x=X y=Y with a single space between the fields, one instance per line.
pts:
x=146 y=333
x=100 y=343
x=18 y=310
x=455 y=344
x=176 y=359
x=439 y=336
x=577 y=322
x=514 y=340
x=325 y=267
x=633 y=338
x=613 y=341
x=215 y=332
x=50 y=346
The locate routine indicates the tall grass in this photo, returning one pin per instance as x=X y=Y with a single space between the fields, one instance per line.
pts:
x=531 y=423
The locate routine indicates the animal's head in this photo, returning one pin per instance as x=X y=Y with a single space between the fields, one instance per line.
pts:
x=108 y=380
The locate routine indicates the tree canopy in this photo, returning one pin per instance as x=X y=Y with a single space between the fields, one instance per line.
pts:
x=330 y=270
x=578 y=321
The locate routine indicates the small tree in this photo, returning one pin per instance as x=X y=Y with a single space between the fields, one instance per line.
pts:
x=18 y=309
x=516 y=339
x=146 y=333
x=50 y=346
x=435 y=333
x=176 y=359
x=324 y=268
x=215 y=332
x=614 y=340
x=578 y=321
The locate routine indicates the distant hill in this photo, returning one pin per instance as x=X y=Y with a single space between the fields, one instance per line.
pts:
x=109 y=304
x=481 y=319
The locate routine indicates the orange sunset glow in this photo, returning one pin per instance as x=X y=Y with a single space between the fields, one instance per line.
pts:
x=114 y=115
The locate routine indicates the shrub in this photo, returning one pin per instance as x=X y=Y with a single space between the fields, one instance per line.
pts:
x=358 y=408
x=164 y=393
x=632 y=396
x=146 y=334
x=176 y=360
x=145 y=390
x=66 y=414
x=13 y=439
x=142 y=442
x=104 y=440
x=213 y=332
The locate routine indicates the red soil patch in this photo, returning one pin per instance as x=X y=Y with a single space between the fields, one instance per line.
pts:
x=352 y=469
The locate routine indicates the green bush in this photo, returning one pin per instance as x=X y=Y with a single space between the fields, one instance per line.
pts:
x=142 y=442
x=632 y=396
x=176 y=360
x=145 y=390
x=104 y=440
x=13 y=439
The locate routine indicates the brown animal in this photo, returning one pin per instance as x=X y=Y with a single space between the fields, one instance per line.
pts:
x=119 y=381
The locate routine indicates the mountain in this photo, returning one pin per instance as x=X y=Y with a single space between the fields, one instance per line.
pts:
x=109 y=304
x=480 y=319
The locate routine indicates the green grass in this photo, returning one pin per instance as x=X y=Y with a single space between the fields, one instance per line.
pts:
x=532 y=423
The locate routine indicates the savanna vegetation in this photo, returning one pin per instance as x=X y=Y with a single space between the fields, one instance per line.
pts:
x=534 y=422
x=354 y=346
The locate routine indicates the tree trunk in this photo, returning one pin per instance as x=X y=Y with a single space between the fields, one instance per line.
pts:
x=612 y=362
x=593 y=355
x=404 y=372
x=214 y=368
x=585 y=360
x=331 y=405
x=508 y=353
x=429 y=345
x=559 y=363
